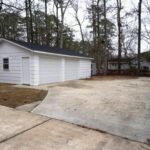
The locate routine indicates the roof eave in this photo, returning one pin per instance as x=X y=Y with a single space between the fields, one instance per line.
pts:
x=56 y=54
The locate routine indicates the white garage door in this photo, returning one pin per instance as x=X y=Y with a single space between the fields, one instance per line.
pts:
x=71 y=69
x=85 y=69
x=50 y=69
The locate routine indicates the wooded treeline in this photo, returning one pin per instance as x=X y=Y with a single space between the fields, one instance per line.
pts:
x=109 y=31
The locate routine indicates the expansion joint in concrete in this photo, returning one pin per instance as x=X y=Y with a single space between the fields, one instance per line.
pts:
x=25 y=131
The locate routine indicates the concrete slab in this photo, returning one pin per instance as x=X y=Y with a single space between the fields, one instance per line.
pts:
x=28 y=107
x=13 y=122
x=58 y=135
x=119 y=107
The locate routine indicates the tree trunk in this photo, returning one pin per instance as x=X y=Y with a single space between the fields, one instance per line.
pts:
x=30 y=21
x=63 y=7
x=98 y=37
x=105 y=36
x=46 y=24
x=62 y=28
x=139 y=36
x=95 y=55
x=119 y=34
x=36 y=30
x=27 y=20
x=81 y=32
x=1 y=4
x=57 y=23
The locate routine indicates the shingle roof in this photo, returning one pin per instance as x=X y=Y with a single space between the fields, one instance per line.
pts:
x=42 y=48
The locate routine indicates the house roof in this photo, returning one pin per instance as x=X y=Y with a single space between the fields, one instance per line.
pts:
x=146 y=56
x=47 y=49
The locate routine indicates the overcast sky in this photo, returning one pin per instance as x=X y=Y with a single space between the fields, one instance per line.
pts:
x=83 y=15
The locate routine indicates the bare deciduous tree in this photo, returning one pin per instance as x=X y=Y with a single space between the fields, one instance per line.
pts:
x=146 y=34
x=75 y=6
x=29 y=21
x=63 y=5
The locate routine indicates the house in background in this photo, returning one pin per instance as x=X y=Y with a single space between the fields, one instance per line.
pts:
x=145 y=61
x=26 y=63
x=130 y=63
x=125 y=64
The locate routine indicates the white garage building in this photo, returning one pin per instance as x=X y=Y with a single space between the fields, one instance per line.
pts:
x=26 y=63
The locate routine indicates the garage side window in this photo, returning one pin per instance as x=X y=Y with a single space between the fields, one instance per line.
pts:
x=6 y=63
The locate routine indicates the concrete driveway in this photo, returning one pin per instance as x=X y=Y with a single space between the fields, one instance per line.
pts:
x=26 y=131
x=14 y=122
x=119 y=107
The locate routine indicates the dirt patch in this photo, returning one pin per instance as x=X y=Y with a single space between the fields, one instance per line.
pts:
x=114 y=77
x=74 y=85
x=13 y=96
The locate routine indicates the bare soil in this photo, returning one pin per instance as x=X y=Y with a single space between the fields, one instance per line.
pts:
x=13 y=96
x=112 y=77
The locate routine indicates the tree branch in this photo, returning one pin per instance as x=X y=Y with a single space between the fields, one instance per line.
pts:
x=11 y=6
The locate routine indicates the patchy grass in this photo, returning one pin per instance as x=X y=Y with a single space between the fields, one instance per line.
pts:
x=13 y=96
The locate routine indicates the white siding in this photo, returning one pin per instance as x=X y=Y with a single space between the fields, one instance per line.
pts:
x=62 y=69
x=71 y=69
x=43 y=68
x=50 y=69
x=35 y=70
x=84 y=69
x=58 y=69
x=15 y=54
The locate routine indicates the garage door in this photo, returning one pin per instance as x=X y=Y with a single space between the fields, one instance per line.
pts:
x=50 y=69
x=71 y=69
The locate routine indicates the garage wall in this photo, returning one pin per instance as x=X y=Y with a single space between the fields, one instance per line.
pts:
x=84 y=68
x=57 y=69
x=15 y=54
x=49 y=69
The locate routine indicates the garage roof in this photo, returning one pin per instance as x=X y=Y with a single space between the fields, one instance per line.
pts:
x=47 y=49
